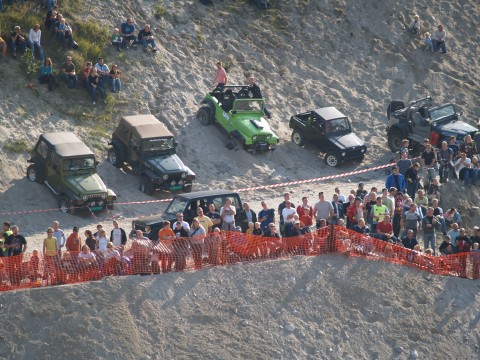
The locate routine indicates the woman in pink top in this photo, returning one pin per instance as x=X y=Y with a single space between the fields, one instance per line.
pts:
x=220 y=77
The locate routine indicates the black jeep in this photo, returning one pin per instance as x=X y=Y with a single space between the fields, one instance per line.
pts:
x=187 y=204
x=331 y=132
x=147 y=145
x=421 y=120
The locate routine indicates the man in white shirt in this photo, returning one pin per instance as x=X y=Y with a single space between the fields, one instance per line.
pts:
x=288 y=214
x=59 y=235
x=227 y=213
x=103 y=71
x=464 y=168
x=185 y=224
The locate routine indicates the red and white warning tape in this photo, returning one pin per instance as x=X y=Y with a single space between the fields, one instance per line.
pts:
x=260 y=187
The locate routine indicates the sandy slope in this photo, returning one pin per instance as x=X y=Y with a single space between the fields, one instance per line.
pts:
x=303 y=308
x=352 y=55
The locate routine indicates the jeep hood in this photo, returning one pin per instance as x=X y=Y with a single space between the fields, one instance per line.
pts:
x=456 y=128
x=253 y=125
x=86 y=184
x=345 y=141
x=166 y=163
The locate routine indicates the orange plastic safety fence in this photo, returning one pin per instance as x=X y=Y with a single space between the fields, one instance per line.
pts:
x=149 y=257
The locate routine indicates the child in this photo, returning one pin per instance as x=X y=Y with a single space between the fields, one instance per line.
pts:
x=428 y=42
x=414 y=26
x=117 y=39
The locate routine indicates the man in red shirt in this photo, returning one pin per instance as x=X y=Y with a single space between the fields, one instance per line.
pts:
x=384 y=230
x=74 y=241
x=305 y=212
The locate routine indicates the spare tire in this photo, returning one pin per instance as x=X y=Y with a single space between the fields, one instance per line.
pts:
x=394 y=106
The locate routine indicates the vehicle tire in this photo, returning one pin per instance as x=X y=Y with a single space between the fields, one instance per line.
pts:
x=233 y=144
x=395 y=141
x=331 y=159
x=34 y=175
x=394 y=106
x=187 y=188
x=298 y=137
x=115 y=157
x=66 y=206
x=146 y=185
x=204 y=115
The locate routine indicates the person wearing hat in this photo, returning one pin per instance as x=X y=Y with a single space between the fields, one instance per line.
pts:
x=74 y=241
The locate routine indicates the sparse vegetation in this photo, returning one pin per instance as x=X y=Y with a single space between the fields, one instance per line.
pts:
x=160 y=10
x=17 y=146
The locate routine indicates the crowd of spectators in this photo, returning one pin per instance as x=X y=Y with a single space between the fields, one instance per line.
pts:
x=433 y=42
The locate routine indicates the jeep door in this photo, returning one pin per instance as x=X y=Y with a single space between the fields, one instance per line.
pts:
x=54 y=171
x=40 y=155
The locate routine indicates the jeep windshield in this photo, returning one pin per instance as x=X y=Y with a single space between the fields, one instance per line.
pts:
x=158 y=145
x=87 y=163
x=177 y=205
x=337 y=125
x=255 y=105
x=442 y=113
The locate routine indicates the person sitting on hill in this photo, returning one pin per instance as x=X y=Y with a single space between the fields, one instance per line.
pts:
x=34 y=41
x=3 y=45
x=145 y=37
x=64 y=33
x=95 y=86
x=127 y=30
x=115 y=78
x=69 y=74
x=415 y=25
x=468 y=146
x=19 y=42
x=46 y=74
x=85 y=73
x=50 y=18
x=117 y=39
x=103 y=71
x=438 y=39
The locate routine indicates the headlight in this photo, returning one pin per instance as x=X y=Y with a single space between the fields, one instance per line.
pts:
x=254 y=138
x=363 y=150
x=100 y=203
x=344 y=153
x=173 y=183
x=165 y=177
x=184 y=175
x=269 y=137
x=180 y=182
x=104 y=196
x=85 y=198
x=92 y=203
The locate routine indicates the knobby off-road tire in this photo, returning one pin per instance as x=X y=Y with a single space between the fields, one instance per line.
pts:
x=146 y=185
x=394 y=106
x=331 y=159
x=115 y=157
x=298 y=137
x=34 y=175
x=395 y=141
x=204 y=115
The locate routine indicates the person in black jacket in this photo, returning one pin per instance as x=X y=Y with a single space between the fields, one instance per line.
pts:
x=118 y=236
x=255 y=93
x=409 y=241
x=247 y=215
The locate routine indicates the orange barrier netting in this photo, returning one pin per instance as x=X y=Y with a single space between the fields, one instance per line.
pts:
x=149 y=257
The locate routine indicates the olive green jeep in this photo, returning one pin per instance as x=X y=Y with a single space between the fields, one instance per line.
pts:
x=67 y=166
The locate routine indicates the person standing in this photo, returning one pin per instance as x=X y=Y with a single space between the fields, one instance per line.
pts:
x=220 y=76
x=429 y=225
x=246 y=216
x=16 y=245
x=118 y=236
x=214 y=216
x=74 y=241
x=59 y=235
x=255 y=93
x=323 y=209
x=266 y=216
x=412 y=178
x=438 y=39
x=228 y=212
x=204 y=220
x=281 y=206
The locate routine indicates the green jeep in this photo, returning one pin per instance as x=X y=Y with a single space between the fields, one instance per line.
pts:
x=240 y=116
x=68 y=168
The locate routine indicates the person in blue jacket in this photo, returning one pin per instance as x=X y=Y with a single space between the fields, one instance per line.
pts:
x=396 y=180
